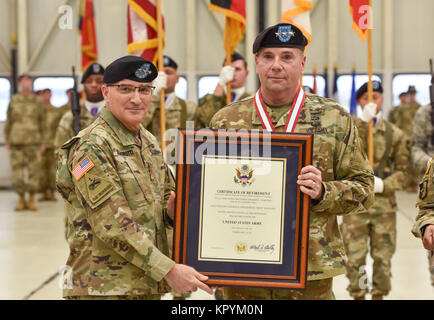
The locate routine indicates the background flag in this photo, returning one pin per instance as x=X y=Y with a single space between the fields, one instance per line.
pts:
x=361 y=13
x=353 y=102
x=314 y=88
x=235 y=25
x=326 y=79
x=86 y=27
x=143 y=29
x=335 y=83
x=297 y=12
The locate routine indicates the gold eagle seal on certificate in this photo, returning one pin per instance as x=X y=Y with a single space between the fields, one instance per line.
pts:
x=244 y=175
x=241 y=247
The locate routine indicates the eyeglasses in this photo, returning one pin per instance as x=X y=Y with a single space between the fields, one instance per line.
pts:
x=129 y=89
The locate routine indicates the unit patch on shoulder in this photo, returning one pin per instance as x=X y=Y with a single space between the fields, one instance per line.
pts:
x=82 y=167
x=97 y=187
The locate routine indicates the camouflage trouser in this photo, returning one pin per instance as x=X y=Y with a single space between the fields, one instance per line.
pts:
x=48 y=170
x=129 y=297
x=315 y=290
x=431 y=265
x=22 y=158
x=381 y=231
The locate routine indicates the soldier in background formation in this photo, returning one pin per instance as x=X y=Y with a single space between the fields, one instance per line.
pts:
x=236 y=74
x=24 y=134
x=49 y=161
x=177 y=110
x=378 y=224
x=422 y=152
x=92 y=81
x=120 y=191
x=402 y=117
x=339 y=181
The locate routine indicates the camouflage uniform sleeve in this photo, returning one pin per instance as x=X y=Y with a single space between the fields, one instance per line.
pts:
x=352 y=191
x=425 y=203
x=41 y=122
x=401 y=161
x=64 y=130
x=419 y=157
x=111 y=217
x=208 y=106
x=8 y=123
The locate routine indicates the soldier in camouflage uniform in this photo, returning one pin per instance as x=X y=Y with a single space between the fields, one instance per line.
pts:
x=422 y=152
x=236 y=74
x=48 y=164
x=424 y=225
x=113 y=177
x=377 y=225
x=24 y=135
x=339 y=181
x=176 y=109
x=92 y=81
x=403 y=117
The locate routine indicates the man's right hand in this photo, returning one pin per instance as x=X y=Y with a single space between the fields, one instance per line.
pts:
x=183 y=278
x=428 y=237
x=8 y=146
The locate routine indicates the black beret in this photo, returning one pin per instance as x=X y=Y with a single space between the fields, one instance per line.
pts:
x=94 y=68
x=282 y=35
x=376 y=87
x=402 y=94
x=130 y=67
x=411 y=89
x=235 y=57
x=169 y=62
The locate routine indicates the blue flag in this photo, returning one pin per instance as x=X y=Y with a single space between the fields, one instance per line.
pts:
x=335 y=83
x=353 y=101
x=326 y=85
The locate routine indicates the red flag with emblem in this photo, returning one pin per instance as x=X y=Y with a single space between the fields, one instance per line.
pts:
x=361 y=13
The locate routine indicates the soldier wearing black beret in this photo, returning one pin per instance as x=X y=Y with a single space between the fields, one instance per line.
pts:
x=119 y=192
x=338 y=182
x=236 y=73
x=92 y=80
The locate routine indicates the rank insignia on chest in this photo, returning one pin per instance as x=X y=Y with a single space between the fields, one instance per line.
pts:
x=82 y=167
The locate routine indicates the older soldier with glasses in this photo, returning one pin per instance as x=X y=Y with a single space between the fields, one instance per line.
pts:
x=339 y=181
x=113 y=177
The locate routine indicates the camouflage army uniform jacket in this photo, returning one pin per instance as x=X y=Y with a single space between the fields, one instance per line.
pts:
x=51 y=123
x=403 y=117
x=116 y=219
x=65 y=130
x=394 y=166
x=425 y=203
x=347 y=177
x=175 y=114
x=209 y=105
x=25 y=121
x=422 y=148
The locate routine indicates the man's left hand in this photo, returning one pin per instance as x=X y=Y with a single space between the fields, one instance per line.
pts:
x=310 y=182
x=428 y=238
x=171 y=205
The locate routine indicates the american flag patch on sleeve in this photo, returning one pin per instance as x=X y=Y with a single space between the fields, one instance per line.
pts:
x=80 y=169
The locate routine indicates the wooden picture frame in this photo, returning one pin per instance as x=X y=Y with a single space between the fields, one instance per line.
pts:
x=240 y=217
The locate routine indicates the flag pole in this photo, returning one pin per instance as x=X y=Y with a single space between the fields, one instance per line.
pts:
x=161 y=68
x=370 y=95
x=228 y=63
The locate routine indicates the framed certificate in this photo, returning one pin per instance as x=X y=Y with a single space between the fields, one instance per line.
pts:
x=241 y=218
